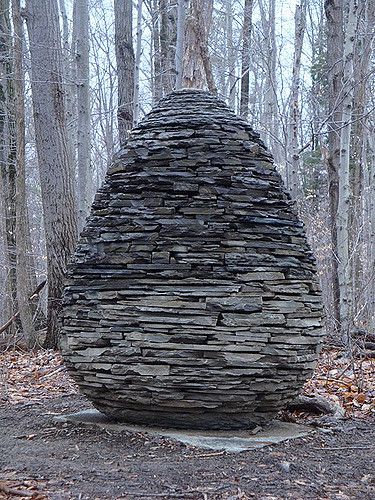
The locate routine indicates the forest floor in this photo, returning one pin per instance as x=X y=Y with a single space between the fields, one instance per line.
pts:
x=44 y=459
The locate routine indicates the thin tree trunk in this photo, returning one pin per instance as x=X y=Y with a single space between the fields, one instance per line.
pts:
x=125 y=66
x=82 y=47
x=180 y=42
x=7 y=152
x=270 y=113
x=137 y=62
x=293 y=162
x=334 y=17
x=69 y=77
x=158 y=91
x=51 y=143
x=359 y=161
x=245 y=58
x=370 y=143
x=343 y=205
x=231 y=58
x=167 y=36
x=24 y=273
x=371 y=236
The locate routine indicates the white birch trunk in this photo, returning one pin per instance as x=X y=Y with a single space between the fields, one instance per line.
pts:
x=51 y=143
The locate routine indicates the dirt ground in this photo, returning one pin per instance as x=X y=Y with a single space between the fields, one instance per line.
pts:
x=42 y=459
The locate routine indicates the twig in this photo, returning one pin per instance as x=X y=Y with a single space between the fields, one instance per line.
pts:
x=208 y=455
x=50 y=374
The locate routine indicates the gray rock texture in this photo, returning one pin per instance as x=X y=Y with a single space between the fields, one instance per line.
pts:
x=192 y=299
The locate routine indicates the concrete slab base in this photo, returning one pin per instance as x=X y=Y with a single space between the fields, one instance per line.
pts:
x=231 y=441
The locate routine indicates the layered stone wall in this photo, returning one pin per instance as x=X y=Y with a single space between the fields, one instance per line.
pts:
x=192 y=300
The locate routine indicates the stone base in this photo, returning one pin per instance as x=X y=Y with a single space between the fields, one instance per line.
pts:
x=176 y=418
x=231 y=441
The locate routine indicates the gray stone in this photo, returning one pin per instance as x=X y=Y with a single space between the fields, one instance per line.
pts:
x=192 y=299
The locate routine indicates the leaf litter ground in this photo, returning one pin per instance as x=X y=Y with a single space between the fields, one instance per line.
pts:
x=44 y=459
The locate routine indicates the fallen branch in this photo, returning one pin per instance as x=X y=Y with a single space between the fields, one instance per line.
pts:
x=16 y=493
x=317 y=405
x=35 y=293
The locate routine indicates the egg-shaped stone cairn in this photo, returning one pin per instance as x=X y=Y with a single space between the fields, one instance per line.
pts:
x=192 y=300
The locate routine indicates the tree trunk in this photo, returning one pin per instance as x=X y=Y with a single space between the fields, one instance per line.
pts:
x=69 y=80
x=245 y=58
x=24 y=273
x=125 y=66
x=137 y=63
x=51 y=143
x=334 y=17
x=293 y=157
x=231 y=56
x=270 y=115
x=180 y=41
x=371 y=236
x=157 y=86
x=370 y=143
x=197 y=63
x=360 y=158
x=168 y=36
x=82 y=47
x=343 y=205
x=7 y=153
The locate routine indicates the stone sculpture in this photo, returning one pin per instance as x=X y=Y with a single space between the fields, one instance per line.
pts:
x=192 y=299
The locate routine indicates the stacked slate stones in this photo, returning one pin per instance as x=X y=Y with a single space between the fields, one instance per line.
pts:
x=192 y=300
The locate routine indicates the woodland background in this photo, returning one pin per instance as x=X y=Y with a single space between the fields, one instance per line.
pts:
x=76 y=75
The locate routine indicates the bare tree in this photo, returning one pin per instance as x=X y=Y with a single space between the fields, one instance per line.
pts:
x=343 y=205
x=57 y=184
x=167 y=44
x=180 y=40
x=7 y=154
x=157 y=90
x=70 y=77
x=81 y=46
x=197 y=62
x=293 y=159
x=270 y=115
x=245 y=58
x=137 y=62
x=24 y=273
x=231 y=55
x=125 y=66
x=334 y=18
